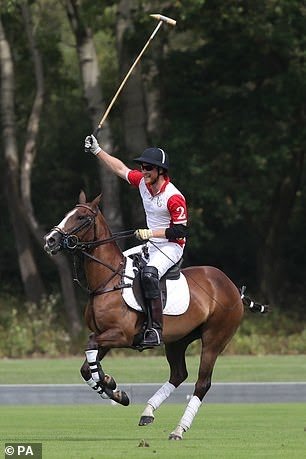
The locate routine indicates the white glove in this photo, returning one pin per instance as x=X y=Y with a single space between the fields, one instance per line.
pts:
x=92 y=145
x=143 y=234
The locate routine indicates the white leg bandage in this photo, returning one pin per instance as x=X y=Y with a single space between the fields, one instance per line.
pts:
x=91 y=357
x=160 y=396
x=190 y=412
x=95 y=387
x=91 y=383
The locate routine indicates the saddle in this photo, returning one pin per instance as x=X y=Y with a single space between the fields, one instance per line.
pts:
x=139 y=263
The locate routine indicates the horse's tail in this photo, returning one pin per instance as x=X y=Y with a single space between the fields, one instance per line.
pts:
x=253 y=307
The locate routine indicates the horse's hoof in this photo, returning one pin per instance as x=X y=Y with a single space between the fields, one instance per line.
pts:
x=174 y=436
x=121 y=397
x=177 y=434
x=145 y=420
x=125 y=401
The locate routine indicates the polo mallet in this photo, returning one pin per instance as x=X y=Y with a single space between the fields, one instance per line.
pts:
x=161 y=20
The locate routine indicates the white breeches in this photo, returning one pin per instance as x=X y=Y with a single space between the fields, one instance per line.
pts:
x=161 y=255
x=164 y=255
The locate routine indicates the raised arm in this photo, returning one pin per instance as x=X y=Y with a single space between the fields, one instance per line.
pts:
x=113 y=164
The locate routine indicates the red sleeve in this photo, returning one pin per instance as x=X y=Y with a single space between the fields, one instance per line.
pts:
x=134 y=177
x=178 y=209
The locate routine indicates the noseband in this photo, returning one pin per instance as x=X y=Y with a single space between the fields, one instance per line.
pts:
x=70 y=240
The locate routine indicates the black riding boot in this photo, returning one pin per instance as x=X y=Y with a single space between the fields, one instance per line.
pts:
x=153 y=335
x=150 y=283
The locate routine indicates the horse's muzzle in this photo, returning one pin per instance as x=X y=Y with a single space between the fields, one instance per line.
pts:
x=53 y=242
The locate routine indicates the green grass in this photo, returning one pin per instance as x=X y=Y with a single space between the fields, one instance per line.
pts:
x=146 y=368
x=219 y=431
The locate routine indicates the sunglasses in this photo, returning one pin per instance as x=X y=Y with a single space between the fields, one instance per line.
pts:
x=147 y=167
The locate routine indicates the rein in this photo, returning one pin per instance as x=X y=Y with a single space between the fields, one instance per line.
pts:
x=72 y=242
x=84 y=246
x=102 y=288
x=93 y=244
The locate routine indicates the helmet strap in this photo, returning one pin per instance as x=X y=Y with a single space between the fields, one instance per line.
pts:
x=160 y=172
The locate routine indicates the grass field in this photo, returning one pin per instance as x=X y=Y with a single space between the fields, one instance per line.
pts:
x=146 y=368
x=219 y=431
x=104 y=432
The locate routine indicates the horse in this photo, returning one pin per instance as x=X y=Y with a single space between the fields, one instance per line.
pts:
x=215 y=311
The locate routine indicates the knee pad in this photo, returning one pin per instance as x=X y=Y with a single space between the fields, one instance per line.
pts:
x=150 y=282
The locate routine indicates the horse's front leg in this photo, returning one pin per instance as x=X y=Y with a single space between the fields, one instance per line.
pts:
x=103 y=380
x=91 y=369
x=94 y=376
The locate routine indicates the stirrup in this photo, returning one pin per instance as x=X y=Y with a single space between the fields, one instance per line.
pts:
x=152 y=337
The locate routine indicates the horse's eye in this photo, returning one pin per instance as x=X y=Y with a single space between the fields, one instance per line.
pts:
x=81 y=217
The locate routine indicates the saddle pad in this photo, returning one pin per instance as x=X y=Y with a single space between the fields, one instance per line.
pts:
x=178 y=295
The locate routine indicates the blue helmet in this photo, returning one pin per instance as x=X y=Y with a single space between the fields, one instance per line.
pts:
x=155 y=156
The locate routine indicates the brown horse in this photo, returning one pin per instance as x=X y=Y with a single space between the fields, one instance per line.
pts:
x=213 y=316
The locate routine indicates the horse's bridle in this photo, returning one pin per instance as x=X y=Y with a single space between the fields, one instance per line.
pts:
x=70 y=241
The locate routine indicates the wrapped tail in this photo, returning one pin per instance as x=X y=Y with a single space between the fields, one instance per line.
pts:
x=253 y=307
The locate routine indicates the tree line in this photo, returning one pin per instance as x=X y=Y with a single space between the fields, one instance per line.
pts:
x=222 y=92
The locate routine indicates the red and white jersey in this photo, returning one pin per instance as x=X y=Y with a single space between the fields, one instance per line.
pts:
x=163 y=210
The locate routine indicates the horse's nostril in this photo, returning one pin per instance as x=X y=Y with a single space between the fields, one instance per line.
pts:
x=51 y=241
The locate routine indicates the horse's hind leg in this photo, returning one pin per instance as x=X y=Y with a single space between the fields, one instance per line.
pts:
x=175 y=353
x=203 y=384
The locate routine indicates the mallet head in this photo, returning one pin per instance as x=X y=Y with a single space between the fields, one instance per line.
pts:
x=160 y=17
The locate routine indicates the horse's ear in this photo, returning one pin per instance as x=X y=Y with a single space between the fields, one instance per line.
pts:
x=96 y=201
x=82 y=197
